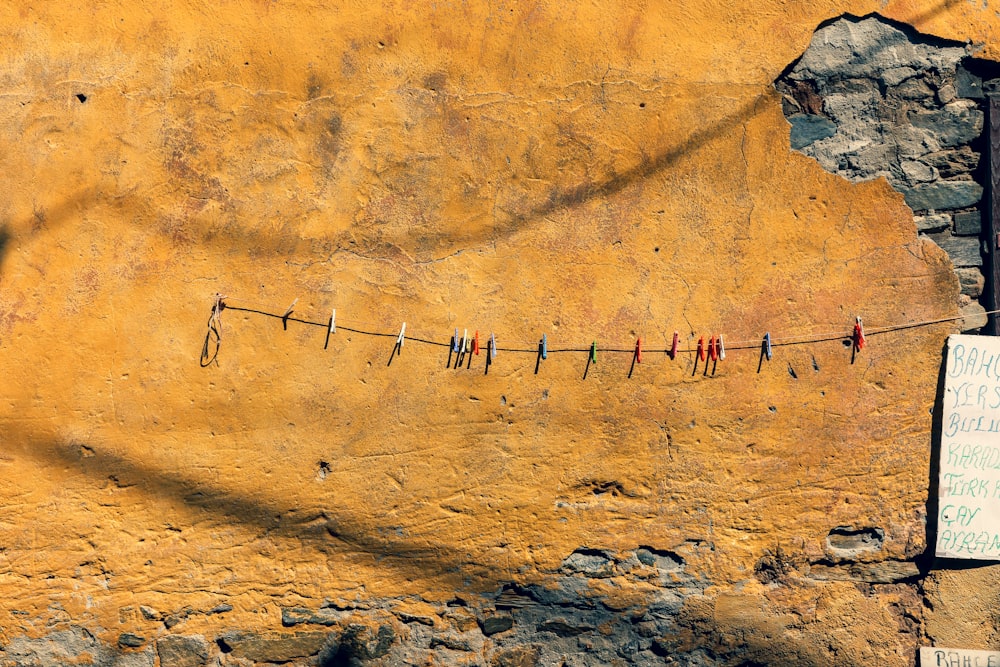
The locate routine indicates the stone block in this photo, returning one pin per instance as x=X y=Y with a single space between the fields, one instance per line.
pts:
x=968 y=84
x=808 y=129
x=182 y=651
x=943 y=195
x=972 y=282
x=969 y=223
x=951 y=163
x=492 y=625
x=975 y=317
x=956 y=124
x=963 y=250
x=932 y=223
x=917 y=172
x=273 y=648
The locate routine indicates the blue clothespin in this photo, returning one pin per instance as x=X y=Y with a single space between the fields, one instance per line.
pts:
x=767 y=345
x=545 y=347
x=493 y=347
x=454 y=342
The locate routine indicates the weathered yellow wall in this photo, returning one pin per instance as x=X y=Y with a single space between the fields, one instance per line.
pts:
x=601 y=170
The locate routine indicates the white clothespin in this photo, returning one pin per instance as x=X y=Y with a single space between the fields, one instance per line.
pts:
x=290 y=309
x=400 y=338
x=333 y=321
x=722 y=348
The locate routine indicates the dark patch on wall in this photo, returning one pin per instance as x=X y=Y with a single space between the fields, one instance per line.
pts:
x=875 y=98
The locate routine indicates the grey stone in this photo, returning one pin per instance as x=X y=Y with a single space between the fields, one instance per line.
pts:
x=946 y=93
x=146 y=658
x=957 y=123
x=968 y=223
x=453 y=642
x=914 y=89
x=492 y=625
x=897 y=75
x=300 y=615
x=932 y=223
x=972 y=282
x=952 y=163
x=182 y=651
x=963 y=250
x=130 y=640
x=149 y=613
x=664 y=561
x=414 y=618
x=591 y=562
x=943 y=195
x=364 y=643
x=869 y=48
x=991 y=87
x=975 y=317
x=219 y=609
x=917 y=172
x=808 y=129
x=968 y=84
x=75 y=645
x=274 y=648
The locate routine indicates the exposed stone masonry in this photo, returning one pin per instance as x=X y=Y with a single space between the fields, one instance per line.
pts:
x=872 y=99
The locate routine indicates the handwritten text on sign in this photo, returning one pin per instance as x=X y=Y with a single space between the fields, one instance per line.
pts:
x=969 y=502
x=957 y=657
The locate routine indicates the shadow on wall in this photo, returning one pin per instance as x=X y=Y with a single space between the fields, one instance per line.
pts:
x=326 y=530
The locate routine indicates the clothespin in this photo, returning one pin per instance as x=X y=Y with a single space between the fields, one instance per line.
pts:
x=465 y=341
x=493 y=347
x=713 y=351
x=638 y=350
x=722 y=348
x=284 y=318
x=545 y=347
x=468 y=346
x=475 y=344
x=701 y=348
x=767 y=346
x=454 y=342
x=859 y=334
x=593 y=352
x=673 y=346
x=400 y=338
x=332 y=328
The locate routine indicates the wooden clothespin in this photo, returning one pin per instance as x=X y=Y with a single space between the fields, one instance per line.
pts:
x=673 y=346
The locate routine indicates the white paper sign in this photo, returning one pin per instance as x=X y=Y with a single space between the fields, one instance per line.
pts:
x=958 y=657
x=969 y=484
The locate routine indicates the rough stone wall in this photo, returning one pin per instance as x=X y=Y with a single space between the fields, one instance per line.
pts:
x=871 y=99
x=589 y=171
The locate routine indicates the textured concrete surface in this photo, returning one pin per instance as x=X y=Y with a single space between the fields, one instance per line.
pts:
x=602 y=171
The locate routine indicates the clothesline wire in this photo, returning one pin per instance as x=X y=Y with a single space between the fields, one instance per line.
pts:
x=736 y=345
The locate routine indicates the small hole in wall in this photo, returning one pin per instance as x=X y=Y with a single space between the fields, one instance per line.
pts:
x=642 y=105
x=772 y=409
x=323 y=469
x=656 y=249
x=81 y=97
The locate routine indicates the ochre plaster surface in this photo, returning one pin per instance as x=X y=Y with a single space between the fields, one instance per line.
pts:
x=588 y=171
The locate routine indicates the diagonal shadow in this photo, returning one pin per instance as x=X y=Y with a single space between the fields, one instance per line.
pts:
x=326 y=530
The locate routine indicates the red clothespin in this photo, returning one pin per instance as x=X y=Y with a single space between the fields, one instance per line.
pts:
x=701 y=348
x=859 y=334
x=713 y=351
x=638 y=351
x=475 y=343
x=673 y=346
